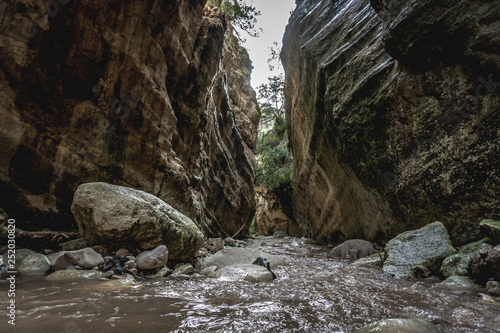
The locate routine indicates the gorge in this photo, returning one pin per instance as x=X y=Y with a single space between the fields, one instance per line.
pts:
x=130 y=149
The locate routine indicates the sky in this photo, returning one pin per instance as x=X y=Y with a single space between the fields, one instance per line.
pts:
x=274 y=18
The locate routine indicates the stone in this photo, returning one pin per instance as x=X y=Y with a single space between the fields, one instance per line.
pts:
x=427 y=246
x=458 y=264
x=492 y=228
x=62 y=263
x=208 y=270
x=459 y=281
x=131 y=264
x=234 y=255
x=384 y=109
x=21 y=254
x=245 y=272
x=186 y=269
x=178 y=119
x=54 y=256
x=73 y=245
x=40 y=241
x=275 y=213
x=487 y=299
x=34 y=265
x=373 y=260
x=86 y=258
x=400 y=326
x=127 y=216
x=122 y=253
x=165 y=271
x=280 y=234
x=485 y=264
x=493 y=288
x=75 y=274
x=353 y=249
x=153 y=259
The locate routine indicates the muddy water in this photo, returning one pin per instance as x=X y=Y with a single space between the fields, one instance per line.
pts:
x=313 y=293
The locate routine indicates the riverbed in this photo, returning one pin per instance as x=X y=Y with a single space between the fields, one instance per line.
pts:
x=313 y=293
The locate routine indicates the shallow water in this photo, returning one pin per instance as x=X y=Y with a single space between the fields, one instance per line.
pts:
x=314 y=293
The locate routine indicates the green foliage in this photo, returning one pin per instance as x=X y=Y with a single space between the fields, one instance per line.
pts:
x=240 y=14
x=253 y=227
x=274 y=165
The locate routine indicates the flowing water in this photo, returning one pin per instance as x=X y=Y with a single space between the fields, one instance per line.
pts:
x=314 y=293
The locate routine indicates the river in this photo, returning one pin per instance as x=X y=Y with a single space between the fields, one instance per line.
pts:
x=314 y=293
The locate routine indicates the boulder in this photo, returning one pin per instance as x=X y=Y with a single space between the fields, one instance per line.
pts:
x=186 y=269
x=245 y=272
x=458 y=264
x=59 y=261
x=427 y=246
x=459 y=281
x=400 y=326
x=85 y=258
x=109 y=213
x=34 y=265
x=156 y=258
x=493 y=288
x=354 y=249
x=492 y=228
x=73 y=245
x=485 y=264
x=235 y=255
x=208 y=270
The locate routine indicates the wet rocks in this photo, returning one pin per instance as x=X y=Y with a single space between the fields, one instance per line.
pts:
x=373 y=260
x=459 y=281
x=86 y=258
x=109 y=213
x=34 y=265
x=75 y=274
x=156 y=258
x=73 y=245
x=427 y=246
x=234 y=256
x=353 y=249
x=261 y=261
x=485 y=264
x=245 y=272
x=184 y=269
x=492 y=227
x=493 y=288
x=458 y=264
x=400 y=326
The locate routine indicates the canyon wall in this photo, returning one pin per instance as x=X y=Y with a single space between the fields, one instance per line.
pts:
x=135 y=93
x=393 y=112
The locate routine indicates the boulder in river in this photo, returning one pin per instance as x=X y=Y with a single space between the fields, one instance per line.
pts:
x=108 y=213
x=245 y=272
x=353 y=249
x=156 y=258
x=400 y=326
x=459 y=281
x=458 y=264
x=237 y=255
x=34 y=265
x=427 y=246
x=86 y=258
x=485 y=264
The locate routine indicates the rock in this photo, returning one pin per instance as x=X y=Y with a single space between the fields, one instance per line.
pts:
x=73 y=245
x=34 y=265
x=189 y=139
x=493 y=288
x=458 y=264
x=353 y=249
x=385 y=109
x=280 y=234
x=487 y=299
x=275 y=213
x=41 y=241
x=261 y=261
x=54 y=256
x=373 y=260
x=86 y=258
x=131 y=264
x=234 y=255
x=309 y=241
x=485 y=264
x=208 y=270
x=492 y=228
x=427 y=246
x=186 y=269
x=127 y=216
x=245 y=272
x=400 y=326
x=122 y=253
x=62 y=263
x=21 y=254
x=459 y=281
x=153 y=259
x=74 y=274
x=165 y=271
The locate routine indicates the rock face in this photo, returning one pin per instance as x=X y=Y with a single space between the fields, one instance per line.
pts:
x=393 y=116
x=424 y=248
x=129 y=93
x=271 y=216
x=121 y=215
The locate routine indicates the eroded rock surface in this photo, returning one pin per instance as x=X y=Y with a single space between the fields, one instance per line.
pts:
x=129 y=93
x=393 y=117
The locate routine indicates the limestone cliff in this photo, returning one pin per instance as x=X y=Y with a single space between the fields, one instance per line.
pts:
x=133 y=93
x=393 y=115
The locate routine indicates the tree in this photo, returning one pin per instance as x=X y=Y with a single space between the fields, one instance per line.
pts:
x=239 y=14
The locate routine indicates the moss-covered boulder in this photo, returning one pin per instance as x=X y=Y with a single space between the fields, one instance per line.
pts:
x=120 y=215
x=400 y=326
x=492 y=228
x=459 y=281
x=34 y=265
x=458 y=264
x=426 y=247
